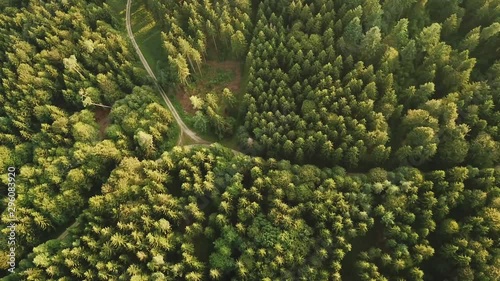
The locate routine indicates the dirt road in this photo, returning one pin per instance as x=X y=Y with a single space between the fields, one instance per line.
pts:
x=184 y=129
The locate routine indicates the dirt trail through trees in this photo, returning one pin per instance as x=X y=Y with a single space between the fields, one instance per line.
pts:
x=184 y=129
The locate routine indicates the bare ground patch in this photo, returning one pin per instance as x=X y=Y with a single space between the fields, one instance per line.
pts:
x=102 y=118
x=183 y=98
x=233 y=66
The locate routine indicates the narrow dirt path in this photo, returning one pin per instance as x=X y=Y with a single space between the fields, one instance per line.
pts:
x=184 y=129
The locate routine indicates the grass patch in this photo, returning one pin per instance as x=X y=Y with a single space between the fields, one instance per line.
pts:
x=214 y=77
x=147 y=34
x=118 y=8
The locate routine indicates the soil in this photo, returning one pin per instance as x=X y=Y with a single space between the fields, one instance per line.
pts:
x=183 y=98
x=102 y=118
x=183 y=93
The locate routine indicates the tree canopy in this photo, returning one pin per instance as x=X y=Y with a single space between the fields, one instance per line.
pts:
x=364 y=141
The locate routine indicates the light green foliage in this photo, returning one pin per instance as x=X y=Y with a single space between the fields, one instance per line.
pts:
x=6 y=158
x=182 y=67
x=429 y=37
x=310 y=221
x=60 y=54
x=490 y=31
x=205 y=25
x=420 y=143
x=238 y=44
x=145 y=141
x=371 y=44
x=210 y=115
x=84 y=132
x=196 y=102
x=144 y=123
x=471 y=40
x=374 y=126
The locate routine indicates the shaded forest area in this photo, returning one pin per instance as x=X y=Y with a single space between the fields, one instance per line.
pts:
x=365 y=84
x=371 y=129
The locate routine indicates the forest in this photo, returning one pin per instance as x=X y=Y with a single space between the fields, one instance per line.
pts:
x=334 y=140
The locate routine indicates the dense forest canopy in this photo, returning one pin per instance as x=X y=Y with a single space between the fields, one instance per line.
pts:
x=203 y=214
x=61 y=63
x=365 y=84
x=371 y=130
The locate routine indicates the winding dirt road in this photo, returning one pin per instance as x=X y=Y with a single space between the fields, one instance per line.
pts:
x=184 y=129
